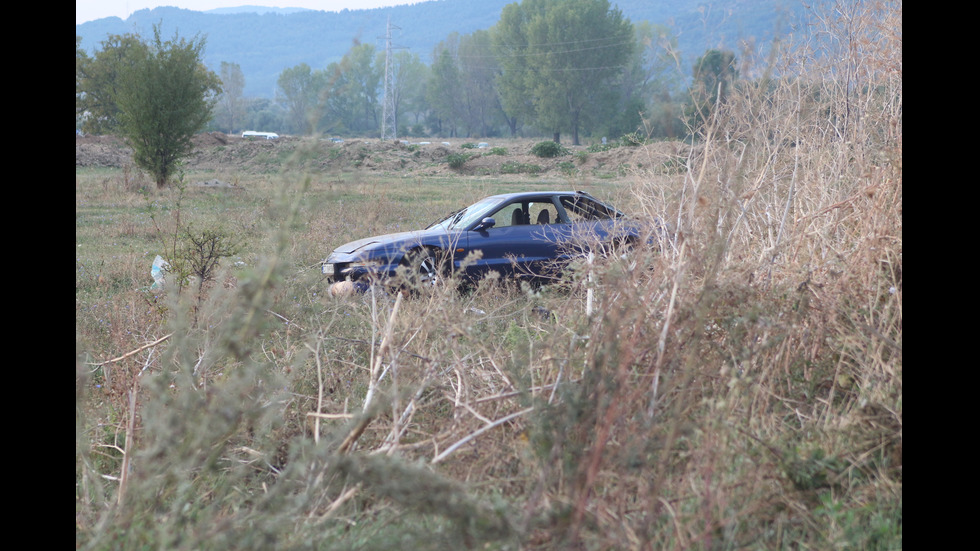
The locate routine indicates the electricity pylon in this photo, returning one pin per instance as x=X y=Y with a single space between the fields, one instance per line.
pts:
x=389 y=122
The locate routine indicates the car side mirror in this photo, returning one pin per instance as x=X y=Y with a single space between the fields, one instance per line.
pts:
x=486 y=224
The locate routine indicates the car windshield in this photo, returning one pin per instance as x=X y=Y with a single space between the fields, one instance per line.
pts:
x=466 y=216
x=448 y=221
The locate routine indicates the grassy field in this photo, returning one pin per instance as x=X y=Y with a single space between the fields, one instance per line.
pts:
x=740 y=388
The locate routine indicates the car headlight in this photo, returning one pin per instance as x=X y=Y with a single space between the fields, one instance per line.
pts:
x=348 y=269
x=366 y=264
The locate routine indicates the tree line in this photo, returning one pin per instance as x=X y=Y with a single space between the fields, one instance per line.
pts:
x=572 y=68
x=548 y=67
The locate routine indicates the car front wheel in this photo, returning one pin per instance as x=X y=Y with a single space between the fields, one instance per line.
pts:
x=423 y=269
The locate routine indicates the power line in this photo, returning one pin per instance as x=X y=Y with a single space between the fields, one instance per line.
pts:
x=546 y=52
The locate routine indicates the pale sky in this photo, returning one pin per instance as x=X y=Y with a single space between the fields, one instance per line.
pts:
x=87 y=10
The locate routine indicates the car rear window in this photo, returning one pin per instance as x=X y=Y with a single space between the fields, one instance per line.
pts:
x=582 y=209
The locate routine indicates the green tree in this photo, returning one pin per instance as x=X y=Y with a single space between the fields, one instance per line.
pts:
x=264 y=113
x=714 y=74
x=559 y=58
x=97 y=82
x=412 y=82
x=165 y=96
x=640 y=98
x=478 y=69
x=82 y=60
x=297 y=93
x=340 y=108
x=510 y=44
x=445 y=88
x=660 y=72
x=352 y=89
x=231 y=106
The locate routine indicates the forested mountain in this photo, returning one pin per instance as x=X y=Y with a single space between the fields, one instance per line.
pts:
x=264 y=44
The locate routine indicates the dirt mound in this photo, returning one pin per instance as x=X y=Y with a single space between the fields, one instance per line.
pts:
x=216 y=151
x=107 y=151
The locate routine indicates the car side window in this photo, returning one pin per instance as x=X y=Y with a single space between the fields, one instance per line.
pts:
x=542 y=212
x=510 y=215
x=525 y=213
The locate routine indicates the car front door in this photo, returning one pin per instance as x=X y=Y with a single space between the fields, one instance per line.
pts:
x=524 y=242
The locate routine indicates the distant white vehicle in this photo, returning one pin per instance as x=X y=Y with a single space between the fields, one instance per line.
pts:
x=254 y=134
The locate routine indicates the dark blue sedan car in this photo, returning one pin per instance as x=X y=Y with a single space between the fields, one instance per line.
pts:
x=524 y=235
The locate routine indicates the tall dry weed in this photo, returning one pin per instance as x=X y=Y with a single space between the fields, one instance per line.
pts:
x=750 y=392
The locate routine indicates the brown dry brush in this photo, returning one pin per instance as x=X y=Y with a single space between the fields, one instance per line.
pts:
x=750 y=392
x=224 y=449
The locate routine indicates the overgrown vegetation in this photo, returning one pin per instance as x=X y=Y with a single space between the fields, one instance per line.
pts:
x=739 y=387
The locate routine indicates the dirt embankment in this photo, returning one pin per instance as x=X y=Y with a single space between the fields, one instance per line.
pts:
x=230 y=153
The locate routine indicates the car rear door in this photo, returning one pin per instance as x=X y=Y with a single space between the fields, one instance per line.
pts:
x=588 y=224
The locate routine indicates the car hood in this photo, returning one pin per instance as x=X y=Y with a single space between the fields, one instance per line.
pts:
x=389 y=240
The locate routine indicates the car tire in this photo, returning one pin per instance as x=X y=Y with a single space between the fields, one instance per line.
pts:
x=423 y=270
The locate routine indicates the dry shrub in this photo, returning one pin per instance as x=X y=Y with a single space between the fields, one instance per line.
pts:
x=746 y=388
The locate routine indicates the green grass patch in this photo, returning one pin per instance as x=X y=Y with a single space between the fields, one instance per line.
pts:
x=514 y=167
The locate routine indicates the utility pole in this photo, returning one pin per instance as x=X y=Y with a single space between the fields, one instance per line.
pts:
x=389 y=123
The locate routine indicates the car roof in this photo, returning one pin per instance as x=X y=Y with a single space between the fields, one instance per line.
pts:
x=519 y=194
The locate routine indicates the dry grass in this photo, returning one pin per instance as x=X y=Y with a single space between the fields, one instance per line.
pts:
x=742 y=387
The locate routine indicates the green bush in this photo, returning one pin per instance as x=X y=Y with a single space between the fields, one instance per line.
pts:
x=549 y=149
x=457 y=160
x=600 y=147
x=633 y=139
x=199 y=253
